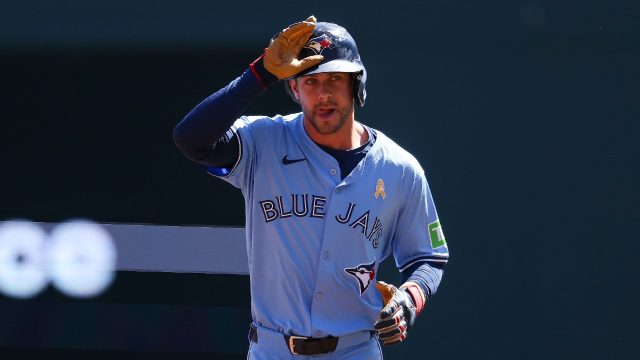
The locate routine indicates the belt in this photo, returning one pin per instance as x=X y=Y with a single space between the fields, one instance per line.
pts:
x=303 y=345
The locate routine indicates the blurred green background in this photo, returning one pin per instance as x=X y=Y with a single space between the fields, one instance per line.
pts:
x=524 y=114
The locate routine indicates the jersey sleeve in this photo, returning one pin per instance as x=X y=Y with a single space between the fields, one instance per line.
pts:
x=255 y=136
x=419 y=236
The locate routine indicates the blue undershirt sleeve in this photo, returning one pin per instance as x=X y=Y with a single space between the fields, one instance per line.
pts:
x=205 y=135
x=427 y=276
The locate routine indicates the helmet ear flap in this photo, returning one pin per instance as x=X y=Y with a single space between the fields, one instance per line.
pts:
x=359 y=92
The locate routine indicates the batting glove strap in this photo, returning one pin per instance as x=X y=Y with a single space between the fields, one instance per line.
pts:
x=397 y=316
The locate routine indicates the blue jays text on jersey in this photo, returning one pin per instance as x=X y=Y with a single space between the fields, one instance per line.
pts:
x=315 y=239
x=299 y=206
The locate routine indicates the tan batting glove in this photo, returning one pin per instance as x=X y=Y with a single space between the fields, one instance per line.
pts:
x=281 y=57
x=386 y=290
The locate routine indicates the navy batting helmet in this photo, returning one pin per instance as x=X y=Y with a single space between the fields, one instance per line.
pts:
x=340 y=54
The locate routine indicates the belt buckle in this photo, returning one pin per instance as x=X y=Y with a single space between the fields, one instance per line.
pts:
x=291 y=344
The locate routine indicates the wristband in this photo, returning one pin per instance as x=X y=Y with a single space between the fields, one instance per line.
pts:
x=252 y=66
x=416 y=295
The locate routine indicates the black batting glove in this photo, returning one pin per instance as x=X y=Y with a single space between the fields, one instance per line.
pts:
x=397 y=316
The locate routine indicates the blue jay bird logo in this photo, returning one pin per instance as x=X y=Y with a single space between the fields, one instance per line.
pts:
x=318 y=44
x=364 y=275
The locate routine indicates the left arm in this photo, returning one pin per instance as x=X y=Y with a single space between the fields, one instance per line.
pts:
x=421 y=252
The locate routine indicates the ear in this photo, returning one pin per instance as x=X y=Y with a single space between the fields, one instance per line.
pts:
x=293 y=84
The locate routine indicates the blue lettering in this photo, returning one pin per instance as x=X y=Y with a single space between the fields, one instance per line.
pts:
x=347 y=217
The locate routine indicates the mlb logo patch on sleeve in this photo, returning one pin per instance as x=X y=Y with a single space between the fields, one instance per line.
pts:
x=436 y=235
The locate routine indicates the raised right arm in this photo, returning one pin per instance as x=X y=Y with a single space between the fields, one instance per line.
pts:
x=204 y=133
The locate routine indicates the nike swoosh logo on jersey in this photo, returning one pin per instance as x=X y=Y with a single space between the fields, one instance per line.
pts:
x=291 y=161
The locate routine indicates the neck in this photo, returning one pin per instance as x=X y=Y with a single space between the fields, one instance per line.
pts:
x=350 y=135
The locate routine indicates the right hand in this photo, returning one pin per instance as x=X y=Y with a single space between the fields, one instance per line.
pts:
x=281 y=57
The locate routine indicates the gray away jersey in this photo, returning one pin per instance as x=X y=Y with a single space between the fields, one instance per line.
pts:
x=314 y=241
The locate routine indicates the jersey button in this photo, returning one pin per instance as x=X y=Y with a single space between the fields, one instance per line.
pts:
x=325 y=255
x=333 y=172
x=317 y=333
x=320 y=296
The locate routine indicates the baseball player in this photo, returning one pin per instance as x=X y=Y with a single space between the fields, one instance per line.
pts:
x=327 y=199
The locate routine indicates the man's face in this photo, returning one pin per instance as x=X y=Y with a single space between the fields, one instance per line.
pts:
x=326 y=100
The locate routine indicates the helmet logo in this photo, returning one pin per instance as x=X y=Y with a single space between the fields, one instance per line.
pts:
x=318 y=44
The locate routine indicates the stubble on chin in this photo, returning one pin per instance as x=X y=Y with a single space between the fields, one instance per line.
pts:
x=330 y=129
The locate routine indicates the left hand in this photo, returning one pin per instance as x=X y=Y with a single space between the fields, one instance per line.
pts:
x=397 y=315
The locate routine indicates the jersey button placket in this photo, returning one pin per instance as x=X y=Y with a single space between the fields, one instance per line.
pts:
x=325 y=280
